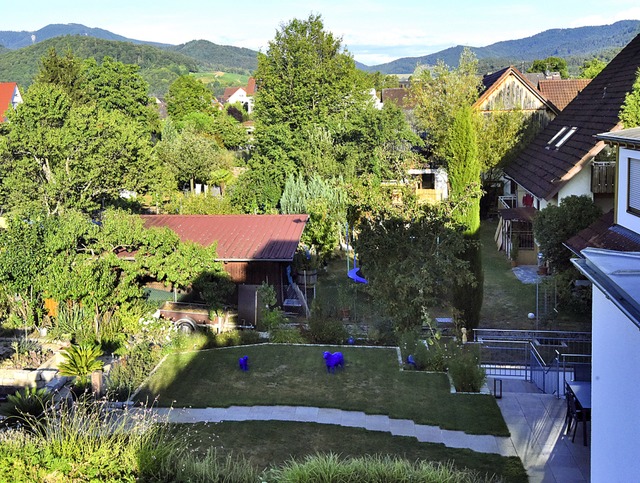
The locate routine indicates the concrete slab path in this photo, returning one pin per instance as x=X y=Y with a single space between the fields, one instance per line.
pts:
x=398 y=427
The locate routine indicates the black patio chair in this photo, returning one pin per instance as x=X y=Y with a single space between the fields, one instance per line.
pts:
x=575 y=415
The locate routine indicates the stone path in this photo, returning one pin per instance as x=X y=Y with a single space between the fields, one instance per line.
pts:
x=398 y=427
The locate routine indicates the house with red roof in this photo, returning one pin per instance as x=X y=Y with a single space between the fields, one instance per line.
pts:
x=253 y=249
x=9 y=98
x=243 y=95
x=566 y=158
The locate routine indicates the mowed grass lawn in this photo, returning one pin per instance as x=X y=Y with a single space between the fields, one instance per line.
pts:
x=288 y=440
x=296 y=376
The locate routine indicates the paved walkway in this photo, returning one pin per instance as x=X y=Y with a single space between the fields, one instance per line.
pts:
x=355 y=419
x=536 y=424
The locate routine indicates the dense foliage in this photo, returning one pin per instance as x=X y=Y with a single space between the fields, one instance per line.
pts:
x=315 y=115
x=410 y=259
x=630 y=112
x=554 y=225
x=550 y=64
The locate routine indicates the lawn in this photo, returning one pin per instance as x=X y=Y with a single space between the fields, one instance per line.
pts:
x=507 y=301
x=295 y=375
x=296 y=440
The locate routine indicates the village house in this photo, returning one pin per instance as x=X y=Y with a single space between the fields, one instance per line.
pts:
x=242 y=95
x=566 y=158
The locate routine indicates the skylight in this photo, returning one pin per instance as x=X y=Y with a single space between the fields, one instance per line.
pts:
x=561 y=137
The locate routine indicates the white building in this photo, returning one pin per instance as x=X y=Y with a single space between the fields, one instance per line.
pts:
x=615 y=393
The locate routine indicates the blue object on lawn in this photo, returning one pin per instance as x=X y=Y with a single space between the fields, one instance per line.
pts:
x=243 y=362
x=411 y=361
x=333 y=360
x=351 y=341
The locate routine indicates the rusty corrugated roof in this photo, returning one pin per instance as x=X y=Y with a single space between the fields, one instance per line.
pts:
x=239 y=237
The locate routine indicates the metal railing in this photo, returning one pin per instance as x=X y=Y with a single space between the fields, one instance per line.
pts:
x=546 y=358
x=505 y=357
x=508 y=201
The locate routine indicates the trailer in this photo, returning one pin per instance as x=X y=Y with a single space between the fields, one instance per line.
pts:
x=188 y=317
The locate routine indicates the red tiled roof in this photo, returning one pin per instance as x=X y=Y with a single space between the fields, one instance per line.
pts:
x=543 y=169
x=396 y=95
x=7 y=90
x=228 y=92
x=239 y=237
x=562 y=91
x=604 y=233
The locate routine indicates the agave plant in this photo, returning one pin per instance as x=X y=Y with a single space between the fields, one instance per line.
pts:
x=80 y=361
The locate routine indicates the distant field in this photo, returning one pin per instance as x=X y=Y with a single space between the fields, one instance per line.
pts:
x=225 y=79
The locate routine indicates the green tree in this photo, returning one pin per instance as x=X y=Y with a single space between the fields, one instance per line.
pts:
x=325 y=202
x=308 y=90
x=554 y=225
x=591 y=68
x=65 y=72
x=550 y=64
x=410 y=258
x=463 y=165
x=186 y=95
x=439 y=94
x=191 y=156
x=630 y=112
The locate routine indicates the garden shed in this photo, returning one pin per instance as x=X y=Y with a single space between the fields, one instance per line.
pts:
x=253 y=248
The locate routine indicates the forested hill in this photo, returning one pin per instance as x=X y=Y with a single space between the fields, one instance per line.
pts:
x=159 y=67
x=575 y=43
x=219 y=57
x=17 y=40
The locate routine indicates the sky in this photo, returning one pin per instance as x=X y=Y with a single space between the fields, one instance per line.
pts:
x=374 y=31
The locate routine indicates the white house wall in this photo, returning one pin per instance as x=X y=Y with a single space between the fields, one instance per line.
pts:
x=615 y=426
x=579 y=185
x=624 y=218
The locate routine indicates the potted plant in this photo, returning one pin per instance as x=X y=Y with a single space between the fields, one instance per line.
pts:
x=306 y=263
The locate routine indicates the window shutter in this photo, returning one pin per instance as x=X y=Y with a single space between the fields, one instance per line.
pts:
x=634 y=185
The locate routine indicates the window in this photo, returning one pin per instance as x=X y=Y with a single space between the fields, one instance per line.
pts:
x=634 y=186
x=428 y=181
x=561 y=137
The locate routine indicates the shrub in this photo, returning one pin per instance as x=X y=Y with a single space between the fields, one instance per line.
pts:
x=286 y=335
x=383 y=332
x=249 y=337
x=132 y=369
x=465 y=371
x=72 y=324
x=330 y=467
x=229 y=338
x=327 y=331
x=30 y=401
x=80 y=361
x=79 y=444
x=434 y=357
